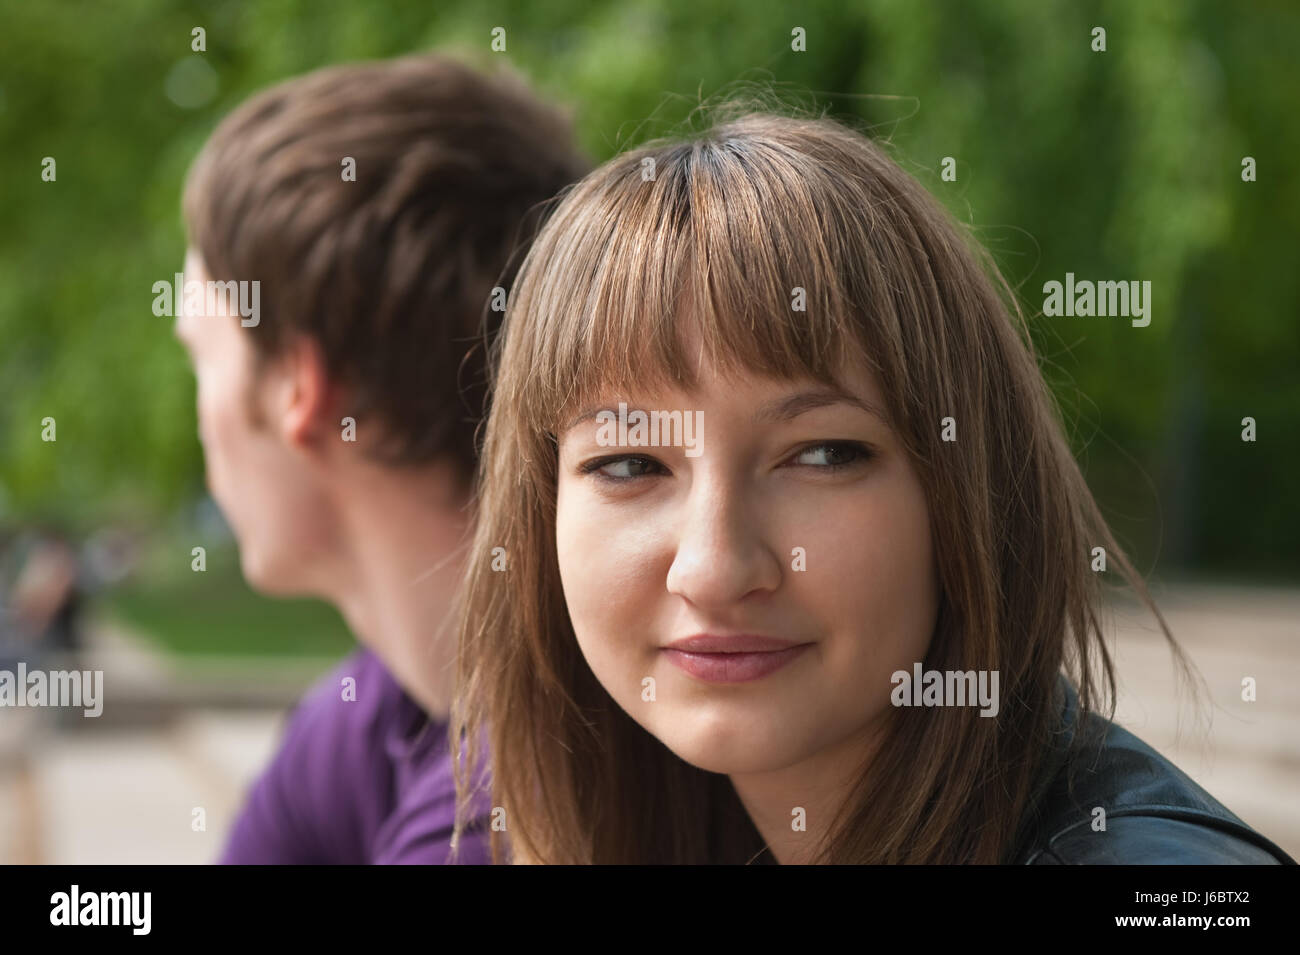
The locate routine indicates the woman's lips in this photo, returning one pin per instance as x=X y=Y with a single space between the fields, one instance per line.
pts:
x=732 y=659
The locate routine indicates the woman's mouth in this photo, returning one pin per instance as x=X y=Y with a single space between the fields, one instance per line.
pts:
x=732 y=659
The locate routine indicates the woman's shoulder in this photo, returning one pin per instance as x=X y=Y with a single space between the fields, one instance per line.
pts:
x=1114 y=800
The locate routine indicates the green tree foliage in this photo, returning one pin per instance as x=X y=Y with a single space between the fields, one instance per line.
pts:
x=1123 y=164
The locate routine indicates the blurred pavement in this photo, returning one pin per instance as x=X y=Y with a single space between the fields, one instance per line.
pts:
x=124 y=791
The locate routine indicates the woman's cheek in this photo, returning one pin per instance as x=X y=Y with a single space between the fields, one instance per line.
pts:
x=607 y=565
x=580 y=551
x=574 y=543
x=897 y=603
x=865 y=585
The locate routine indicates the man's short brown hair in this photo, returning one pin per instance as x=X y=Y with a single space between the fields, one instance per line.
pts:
x=391 y=273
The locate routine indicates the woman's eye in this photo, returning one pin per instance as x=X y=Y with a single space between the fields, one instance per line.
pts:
x=623 y=468
x=831 y=456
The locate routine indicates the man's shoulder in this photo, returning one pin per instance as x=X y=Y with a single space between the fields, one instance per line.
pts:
x=335 y=736
x=332 y=786
x=1115 y=800
x=356 y=693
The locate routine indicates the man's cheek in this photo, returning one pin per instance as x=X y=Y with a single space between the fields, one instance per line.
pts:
x=205 y=430
x=215 y=434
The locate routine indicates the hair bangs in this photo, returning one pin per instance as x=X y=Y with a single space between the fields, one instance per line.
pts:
x=641 y=284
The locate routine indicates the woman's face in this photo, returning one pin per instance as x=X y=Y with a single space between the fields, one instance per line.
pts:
x=796 y=522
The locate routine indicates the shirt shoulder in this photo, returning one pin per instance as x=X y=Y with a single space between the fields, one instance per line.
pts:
x=419 y=829
x=325 y=791
x=1115 y=800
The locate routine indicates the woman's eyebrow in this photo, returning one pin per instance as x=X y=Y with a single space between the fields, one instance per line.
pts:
x=592 y=412
x=785 y=409
x=778 y=409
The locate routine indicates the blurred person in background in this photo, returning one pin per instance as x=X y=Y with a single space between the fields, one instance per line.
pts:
x=46 y=602
x=381 y=207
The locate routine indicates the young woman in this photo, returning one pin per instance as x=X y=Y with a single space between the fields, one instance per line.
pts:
x=781 y=551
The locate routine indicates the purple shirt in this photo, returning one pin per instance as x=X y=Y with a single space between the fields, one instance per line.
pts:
x=356 y=782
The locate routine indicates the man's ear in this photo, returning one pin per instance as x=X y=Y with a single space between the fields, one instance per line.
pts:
x=311 y=397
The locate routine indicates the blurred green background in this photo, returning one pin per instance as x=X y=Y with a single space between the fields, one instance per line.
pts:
x=1124 y=164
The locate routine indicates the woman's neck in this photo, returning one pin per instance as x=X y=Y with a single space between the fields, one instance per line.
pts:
x=793 y=807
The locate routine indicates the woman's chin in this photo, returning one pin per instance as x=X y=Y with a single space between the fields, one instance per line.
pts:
x=738 y=754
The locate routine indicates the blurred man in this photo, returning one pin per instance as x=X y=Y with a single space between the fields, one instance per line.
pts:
x=377 y=206
x=47 y=598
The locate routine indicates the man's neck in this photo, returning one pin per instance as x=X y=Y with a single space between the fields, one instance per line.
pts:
x=404 y=537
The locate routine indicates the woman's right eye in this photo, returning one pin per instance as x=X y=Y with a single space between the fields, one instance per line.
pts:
x=623 y=468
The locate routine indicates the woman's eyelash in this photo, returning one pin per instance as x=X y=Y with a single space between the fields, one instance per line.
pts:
x=860 y=453
x=594 y=467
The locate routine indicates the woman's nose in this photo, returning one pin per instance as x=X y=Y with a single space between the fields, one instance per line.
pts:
x=722 y=553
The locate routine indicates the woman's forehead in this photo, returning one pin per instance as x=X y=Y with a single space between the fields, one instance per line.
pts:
x=854 y=384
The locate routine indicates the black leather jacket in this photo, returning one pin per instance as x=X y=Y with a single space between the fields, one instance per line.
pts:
x=1155 y=813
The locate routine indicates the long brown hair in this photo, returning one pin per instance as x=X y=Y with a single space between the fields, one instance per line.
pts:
x=724 y=224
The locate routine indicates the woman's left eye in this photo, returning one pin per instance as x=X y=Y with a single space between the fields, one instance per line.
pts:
x=833 y=455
